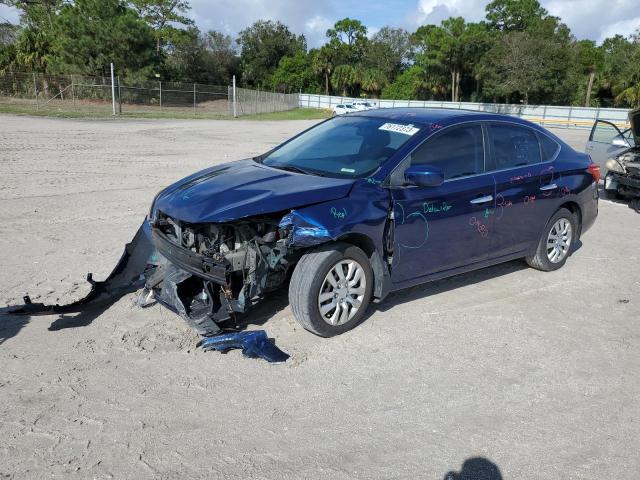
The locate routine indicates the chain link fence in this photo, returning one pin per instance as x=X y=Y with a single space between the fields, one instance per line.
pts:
x=253 y=102
x=99 y=96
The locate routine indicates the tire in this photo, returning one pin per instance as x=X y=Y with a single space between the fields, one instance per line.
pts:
x=310 y=279
x=543 y=259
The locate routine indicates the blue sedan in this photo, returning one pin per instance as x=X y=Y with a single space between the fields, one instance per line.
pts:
x=363 y=205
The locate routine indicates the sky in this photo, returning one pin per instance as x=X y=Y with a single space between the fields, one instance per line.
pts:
x=592 y=19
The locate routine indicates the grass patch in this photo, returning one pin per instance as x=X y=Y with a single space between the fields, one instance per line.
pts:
x=297 y=114
x=100 y=111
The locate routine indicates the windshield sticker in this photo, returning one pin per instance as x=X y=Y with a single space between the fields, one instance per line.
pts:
x=400 y=128
x=347 y=170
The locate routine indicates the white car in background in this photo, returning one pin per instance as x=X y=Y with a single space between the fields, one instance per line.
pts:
x=344 y=109
x=364 y=105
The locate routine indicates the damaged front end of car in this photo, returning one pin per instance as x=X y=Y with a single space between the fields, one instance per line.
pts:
x=210 y=272
x=623 y=174
x=623 y=171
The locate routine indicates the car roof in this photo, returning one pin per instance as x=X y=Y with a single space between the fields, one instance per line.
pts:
x=449 y=116
x=437 y=115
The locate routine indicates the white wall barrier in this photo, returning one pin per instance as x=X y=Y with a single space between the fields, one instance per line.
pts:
x=548 y=115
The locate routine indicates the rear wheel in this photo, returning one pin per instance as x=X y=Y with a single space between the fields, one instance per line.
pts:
x=556 y=243
x=330 y=289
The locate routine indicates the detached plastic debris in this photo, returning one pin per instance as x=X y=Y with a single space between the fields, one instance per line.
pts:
x=254 y=344
x=126 y=277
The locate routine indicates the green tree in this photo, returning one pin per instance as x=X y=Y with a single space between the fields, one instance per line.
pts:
x=8 y=37
x=347 y=41
x=263 y=45
x=294 y=74
x=345 y=78
x=373 y=81
x=414 y=84
x=524 y=65
x=203 y=58
x=388 y=51
x=32 y=46
x=514 y=15
x=448 y=49
x=322 y=63
x=90 y=34
x=620 y=71
x=163 y=16
x=348 y=31
x=590 y=61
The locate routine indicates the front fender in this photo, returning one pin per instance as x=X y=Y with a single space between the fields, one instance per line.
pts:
x=364 y=212
x=359 y=218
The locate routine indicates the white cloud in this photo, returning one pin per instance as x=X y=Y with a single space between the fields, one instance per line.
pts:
x=434 y=11
x=623 y=27
x=9 y=14
x=301 y=16
x=597 y=19
x=593 y=19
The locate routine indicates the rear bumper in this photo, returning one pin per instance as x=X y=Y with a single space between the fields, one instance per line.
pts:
x=198 y=265
x=589 y=207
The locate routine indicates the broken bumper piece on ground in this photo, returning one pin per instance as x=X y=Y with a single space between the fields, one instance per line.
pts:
x=202 y=303
x=128 y=276
x=254 y=344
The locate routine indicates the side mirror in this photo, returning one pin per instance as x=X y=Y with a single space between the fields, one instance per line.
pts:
x=424 y=176
x=619 y=142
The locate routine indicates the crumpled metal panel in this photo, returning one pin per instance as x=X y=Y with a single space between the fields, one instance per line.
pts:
x=364 y=211
x=254 y=344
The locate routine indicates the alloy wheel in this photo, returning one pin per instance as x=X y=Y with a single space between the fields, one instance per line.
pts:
x=559 y=240
x=342 y=292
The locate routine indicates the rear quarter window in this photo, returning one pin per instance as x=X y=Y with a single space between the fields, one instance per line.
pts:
x=549 y=148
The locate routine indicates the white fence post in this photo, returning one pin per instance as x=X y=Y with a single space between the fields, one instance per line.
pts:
x=113 y=92
x=235 y=104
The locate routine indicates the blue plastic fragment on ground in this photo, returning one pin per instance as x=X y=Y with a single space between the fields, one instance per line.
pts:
x=254 y=344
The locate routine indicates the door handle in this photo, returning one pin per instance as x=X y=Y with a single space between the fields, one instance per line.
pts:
x=546 y=188
x=485 y=199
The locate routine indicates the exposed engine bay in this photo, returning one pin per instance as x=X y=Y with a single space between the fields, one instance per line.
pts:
x=209 y=272
x=623 y=175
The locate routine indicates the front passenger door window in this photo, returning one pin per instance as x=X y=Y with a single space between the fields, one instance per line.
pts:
x=457 y=152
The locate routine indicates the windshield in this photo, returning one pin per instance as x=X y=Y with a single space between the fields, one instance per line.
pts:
x=344 y=147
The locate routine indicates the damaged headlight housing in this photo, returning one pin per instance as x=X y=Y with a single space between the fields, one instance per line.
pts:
x=614 y=166
x=153 y=211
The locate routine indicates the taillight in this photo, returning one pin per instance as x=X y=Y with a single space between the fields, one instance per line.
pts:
x=594 y=170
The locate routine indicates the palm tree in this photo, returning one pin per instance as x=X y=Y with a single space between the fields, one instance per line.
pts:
x=630 y=96
x=345 y=78
x=322 y=64
x=373 y=81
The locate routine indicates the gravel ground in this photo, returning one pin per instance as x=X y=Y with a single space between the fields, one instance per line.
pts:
x=534 y=372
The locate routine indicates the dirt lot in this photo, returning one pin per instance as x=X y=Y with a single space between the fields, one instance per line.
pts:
x=536 y=372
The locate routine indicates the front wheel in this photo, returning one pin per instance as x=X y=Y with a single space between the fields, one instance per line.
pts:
x=330 y=289
x=556 y=243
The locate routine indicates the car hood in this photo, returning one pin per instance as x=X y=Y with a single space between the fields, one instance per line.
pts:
x=242 y=189
x=634 y=120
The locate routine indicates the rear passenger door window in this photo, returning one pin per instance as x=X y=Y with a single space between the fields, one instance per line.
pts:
x=514 y=146
x=457 y=152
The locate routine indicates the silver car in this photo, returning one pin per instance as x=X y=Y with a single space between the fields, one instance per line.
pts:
x=618 y=155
